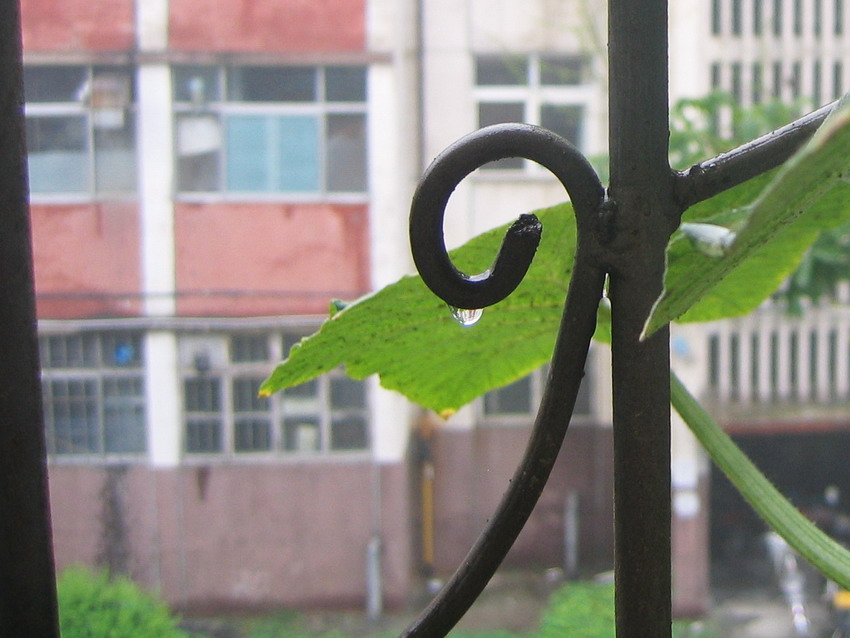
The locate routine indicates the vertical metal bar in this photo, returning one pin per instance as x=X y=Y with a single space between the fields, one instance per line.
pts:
x=642 y=187
x=27 y=583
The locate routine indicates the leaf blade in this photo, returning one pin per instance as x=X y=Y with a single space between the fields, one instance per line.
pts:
x=407 y=336
x=803 y=197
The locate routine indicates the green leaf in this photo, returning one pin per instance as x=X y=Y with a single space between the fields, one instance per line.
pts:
x=804 y=197
x=825 y=554
x=408 y=337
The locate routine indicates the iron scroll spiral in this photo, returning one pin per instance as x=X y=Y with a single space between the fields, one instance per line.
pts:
x=578 y=323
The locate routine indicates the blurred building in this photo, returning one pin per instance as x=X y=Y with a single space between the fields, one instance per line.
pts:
x=206 y=176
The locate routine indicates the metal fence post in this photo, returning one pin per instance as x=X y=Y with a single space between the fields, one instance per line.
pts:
x=642 y=187
x=27 y=582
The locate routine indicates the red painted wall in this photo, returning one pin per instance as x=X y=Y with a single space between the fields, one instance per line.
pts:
x=77 y=25
x=262 y=259
x=268 y=25
x=87 y=260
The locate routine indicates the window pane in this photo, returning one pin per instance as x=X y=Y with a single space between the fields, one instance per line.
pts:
x=561 y=70
x=197 y=85
x=57 y=149
x=245 y=397
x=511 y=399
x=272 y=154
x=115 y=151
x=271 y=84
x=198 y=149
x=302 y=398
x=54 y=83
x=123 y=351
x=345 y=84
x=346 y=153
x=252 y=435
x=246 y=348
x=203 y=435
x=496 y=113
x=347 y=393
x=302 y=434
x=503 y=70
x=123 y=414
x=72 y=416
x=73 y=351
x=563 y=120
x=349 y=433
x=203 y=395
x=297 y=140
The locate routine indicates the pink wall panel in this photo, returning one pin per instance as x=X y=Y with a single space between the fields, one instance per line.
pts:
x=87 y=260
x=238 y=536
x=260 y=259
x=77 y=25
x=268 y=25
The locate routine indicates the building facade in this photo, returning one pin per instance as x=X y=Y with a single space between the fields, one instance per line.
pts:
x=205 y=177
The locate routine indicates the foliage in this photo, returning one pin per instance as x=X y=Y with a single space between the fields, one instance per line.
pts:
x=91 y=605
x=730 y=254
x=771 y=234
x=408 y=336
x=580 y=610
x=706 y=127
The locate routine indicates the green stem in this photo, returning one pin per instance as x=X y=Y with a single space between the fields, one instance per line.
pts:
x=826 y=555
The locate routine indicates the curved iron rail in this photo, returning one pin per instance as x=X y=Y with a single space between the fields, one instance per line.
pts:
x=596 y=228
x=578 y=323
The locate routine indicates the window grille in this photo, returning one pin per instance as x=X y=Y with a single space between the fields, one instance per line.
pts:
x=94 y=398
x=224 y=415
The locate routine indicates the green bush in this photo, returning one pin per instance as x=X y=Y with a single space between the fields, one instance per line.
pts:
x=586 y=610
x=91 y=605
x=580 y=610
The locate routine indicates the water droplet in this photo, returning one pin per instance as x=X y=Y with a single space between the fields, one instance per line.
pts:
x=466 y=317
x=709 y=239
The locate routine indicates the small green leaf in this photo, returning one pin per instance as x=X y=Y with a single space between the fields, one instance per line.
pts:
x=827 y=556
x=806 y=196
x=409 y=338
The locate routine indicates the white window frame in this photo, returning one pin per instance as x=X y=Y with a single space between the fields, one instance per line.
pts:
x=534 y=95
x=320 y=108
x=83 y=108
x=222 y=367
x=99 y=374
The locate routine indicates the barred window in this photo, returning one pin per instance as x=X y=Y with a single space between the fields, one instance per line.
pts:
x=224 y=413
x=93 y=388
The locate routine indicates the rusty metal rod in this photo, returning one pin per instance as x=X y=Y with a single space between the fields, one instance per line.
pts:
x=27 y=581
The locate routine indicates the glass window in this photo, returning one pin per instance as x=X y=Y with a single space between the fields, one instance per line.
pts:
x=518 y=402
x=548 y=90
x=225 y=414
x=497 y=113
x=93 y=388
x=281 y=130
x=80 y=130
x=501 y=71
